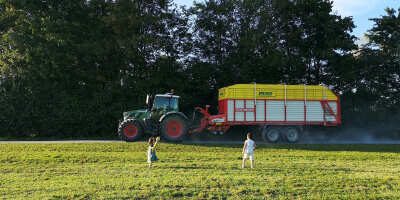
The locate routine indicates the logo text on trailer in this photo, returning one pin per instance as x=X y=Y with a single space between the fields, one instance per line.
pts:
x=265 y=94
x=218 y=120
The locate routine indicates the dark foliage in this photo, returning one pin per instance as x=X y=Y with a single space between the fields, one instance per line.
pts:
x=70 y=68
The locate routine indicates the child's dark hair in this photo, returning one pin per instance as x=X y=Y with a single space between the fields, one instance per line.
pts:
x=249 y=135
x=151 y=141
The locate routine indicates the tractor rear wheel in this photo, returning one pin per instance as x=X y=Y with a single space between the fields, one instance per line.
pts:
x=130 y=130
x=271 y=134
x=174 y=128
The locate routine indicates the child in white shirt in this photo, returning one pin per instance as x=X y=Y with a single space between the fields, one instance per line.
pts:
x=248 y=150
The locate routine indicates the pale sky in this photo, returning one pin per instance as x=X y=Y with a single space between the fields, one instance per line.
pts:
x=361 y=10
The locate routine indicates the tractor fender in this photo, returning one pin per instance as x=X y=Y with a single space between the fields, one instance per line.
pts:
x=141 y=123
x=173 y=113
x=134 y=114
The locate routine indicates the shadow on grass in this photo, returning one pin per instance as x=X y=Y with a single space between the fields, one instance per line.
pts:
x=384 y=148
x=188 y=167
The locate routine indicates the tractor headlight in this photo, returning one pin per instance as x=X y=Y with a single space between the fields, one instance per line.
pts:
x=125 y=114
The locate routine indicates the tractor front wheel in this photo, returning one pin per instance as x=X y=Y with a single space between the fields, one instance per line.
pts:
x=130 y=130
x=174 y=128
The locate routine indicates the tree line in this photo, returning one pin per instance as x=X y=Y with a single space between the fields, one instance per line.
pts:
x=70 y=68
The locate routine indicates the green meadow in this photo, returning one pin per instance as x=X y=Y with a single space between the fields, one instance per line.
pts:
x=186 y=171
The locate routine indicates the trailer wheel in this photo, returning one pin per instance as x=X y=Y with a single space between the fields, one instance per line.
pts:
x=130 y=130
x=271 y=134
x=174 y=128
x=292 y=134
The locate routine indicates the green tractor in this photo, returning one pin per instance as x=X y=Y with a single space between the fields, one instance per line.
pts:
x=162 y=117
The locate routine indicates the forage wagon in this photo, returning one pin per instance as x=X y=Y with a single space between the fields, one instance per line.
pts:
x=281 y=111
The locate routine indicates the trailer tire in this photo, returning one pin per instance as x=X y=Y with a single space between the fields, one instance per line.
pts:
x=271 y=134
x=292 y=134
x=174 y=128
x=130 y=130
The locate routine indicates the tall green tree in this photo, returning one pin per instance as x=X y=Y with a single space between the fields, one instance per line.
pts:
x=74 y=66
x=293 y=42
x=379 y=69
x=381 y=57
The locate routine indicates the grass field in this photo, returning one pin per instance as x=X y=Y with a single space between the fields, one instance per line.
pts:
x=119 y=171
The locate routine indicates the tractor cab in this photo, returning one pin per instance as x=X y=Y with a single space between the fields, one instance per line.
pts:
x=167 y=102
x=162 y=104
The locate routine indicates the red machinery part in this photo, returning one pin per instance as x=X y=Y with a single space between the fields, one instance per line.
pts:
x=203 y=121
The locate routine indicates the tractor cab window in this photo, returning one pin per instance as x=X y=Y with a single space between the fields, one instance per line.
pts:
x=173 y=103
x=165 y=103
